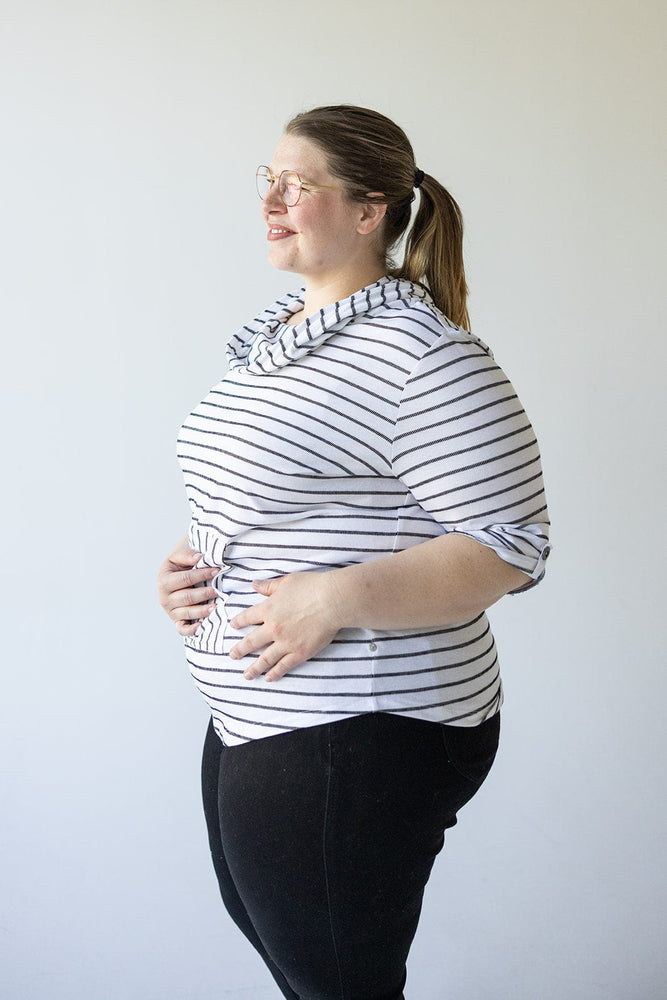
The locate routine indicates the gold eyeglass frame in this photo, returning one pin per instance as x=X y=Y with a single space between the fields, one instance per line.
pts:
x=303 y=185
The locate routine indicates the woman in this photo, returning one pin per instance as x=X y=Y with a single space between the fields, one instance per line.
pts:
x=364 y=483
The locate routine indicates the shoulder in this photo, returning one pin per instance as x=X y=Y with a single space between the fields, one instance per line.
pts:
x=414 y=323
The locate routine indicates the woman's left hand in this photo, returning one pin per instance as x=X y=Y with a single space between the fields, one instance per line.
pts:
x=298 y=618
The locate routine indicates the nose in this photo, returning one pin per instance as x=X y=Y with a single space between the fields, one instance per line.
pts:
x=273 y=203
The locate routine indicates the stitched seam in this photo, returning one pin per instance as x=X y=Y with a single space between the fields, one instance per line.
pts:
x=326 y=870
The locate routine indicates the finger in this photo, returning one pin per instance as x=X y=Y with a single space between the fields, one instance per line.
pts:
x=282 y=667
x=250 y=643
x=254 y=670
x=184 y=557
x=195 y=611
x=266 y=661
x=173 y=587
x=250 y=616
x=188 y=629
x=178 y=559
x=266 y=587
x=184 y=579
x=194 y=596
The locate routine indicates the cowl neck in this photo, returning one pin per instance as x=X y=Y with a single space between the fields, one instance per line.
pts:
x=269 y=343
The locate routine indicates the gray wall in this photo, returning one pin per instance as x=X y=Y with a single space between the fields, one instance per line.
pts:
x=131 y=248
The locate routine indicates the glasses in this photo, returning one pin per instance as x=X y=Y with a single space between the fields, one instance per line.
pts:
x=290 y=185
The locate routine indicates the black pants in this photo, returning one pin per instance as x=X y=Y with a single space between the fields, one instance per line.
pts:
x=323 y=840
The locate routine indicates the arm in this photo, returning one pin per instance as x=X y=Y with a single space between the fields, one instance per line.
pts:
x=464 y=448
x=182 y=589
x=444 y=581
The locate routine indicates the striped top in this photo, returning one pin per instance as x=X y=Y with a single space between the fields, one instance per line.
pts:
x=369 y=427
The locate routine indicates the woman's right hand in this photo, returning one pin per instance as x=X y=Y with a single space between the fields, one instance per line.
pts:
x=183 y=590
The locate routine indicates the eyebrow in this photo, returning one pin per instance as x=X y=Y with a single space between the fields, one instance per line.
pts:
x=291 y=170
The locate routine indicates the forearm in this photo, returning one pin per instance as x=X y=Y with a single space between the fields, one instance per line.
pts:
x=445 y=581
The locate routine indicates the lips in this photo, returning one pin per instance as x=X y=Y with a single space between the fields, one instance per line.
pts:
x=278 y=233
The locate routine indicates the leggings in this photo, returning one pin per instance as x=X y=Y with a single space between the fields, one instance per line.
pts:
x=323 y=840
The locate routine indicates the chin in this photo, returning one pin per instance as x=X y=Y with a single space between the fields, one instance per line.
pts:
x=281 y=262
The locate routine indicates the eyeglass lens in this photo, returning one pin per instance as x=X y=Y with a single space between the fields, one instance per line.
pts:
x=289 y=185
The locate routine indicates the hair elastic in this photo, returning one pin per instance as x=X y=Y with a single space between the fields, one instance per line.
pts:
x=419 y=177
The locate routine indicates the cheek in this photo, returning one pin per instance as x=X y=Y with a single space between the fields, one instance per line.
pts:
x=336 y=232
x=324 y=219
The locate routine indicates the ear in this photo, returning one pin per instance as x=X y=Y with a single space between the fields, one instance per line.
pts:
x=373 y=212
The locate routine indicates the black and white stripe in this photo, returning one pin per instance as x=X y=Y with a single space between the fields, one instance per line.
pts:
x=364 y=430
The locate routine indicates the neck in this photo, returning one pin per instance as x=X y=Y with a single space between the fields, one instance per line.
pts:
x=318 y=295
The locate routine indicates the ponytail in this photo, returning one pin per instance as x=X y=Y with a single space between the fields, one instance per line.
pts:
x=369 y=152
x=434 y=251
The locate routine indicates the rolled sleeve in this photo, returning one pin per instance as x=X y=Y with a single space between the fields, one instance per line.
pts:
x=467 y=452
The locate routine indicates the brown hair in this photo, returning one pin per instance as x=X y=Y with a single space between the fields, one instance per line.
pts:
x=369 y=152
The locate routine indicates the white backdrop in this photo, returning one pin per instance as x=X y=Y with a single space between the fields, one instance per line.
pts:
x=131 y=248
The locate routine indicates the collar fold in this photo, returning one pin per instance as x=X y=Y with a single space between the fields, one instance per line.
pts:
x=269 y=343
